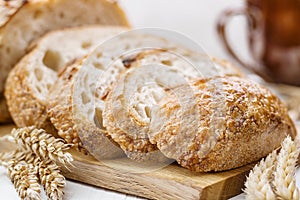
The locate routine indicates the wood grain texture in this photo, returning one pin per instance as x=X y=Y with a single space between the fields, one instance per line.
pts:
x=171 y=182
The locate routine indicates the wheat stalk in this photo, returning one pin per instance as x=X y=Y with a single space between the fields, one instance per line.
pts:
x=284 y=181
x=48 y=173
x=52 y=180
x=42 y=144
x=257 y=184
x=23 y=176
x=39 y=149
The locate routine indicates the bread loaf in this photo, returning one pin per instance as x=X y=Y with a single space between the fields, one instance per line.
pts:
x=219 y=124
x=156 y=104
x=29 y=82
x=127 y=107
x=25 y=21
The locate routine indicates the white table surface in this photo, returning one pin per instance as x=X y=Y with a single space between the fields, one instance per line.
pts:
x=194 y=18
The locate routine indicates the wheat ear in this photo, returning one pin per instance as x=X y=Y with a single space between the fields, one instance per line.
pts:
x=257 y=184
x=284 y=176
x=42 y=144
x=23 y=176
x=49 y=175
x=48 y=172
x=52 y=180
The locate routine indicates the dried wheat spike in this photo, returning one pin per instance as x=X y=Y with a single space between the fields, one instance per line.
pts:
x=42 y=144
x=52 y=180
x=48 y=173
x=23 y=176
x=284 y=176
x=257 y=184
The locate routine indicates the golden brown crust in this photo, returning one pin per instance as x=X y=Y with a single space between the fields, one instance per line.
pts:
x=24 y=107
x=253 y=123
x=59 y=108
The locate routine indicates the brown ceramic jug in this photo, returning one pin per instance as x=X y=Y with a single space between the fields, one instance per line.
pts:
x=273 y=38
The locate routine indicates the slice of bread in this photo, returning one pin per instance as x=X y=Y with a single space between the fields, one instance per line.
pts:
x=29 y=82
x=127 y=112
x=227 y=122
x=25 y=21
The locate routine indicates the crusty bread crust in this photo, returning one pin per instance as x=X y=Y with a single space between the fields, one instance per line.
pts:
x=240 y=124
x=59 y=107
x=28 y=83
x=25 y=21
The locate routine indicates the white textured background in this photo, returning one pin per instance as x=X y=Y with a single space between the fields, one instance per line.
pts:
x=194 y=18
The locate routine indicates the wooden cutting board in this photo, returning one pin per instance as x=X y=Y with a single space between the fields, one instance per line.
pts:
x=171 y=182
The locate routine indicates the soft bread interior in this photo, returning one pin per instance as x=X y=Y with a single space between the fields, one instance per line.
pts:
x=58 y=49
